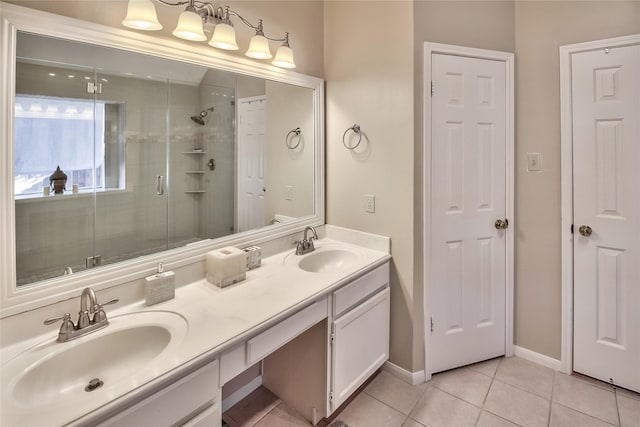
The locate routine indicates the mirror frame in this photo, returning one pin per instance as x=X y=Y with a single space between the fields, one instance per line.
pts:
x=27 y=297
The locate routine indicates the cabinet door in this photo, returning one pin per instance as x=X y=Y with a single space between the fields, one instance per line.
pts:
x=360 y=345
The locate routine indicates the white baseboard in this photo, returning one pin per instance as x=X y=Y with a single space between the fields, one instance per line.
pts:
x=241 y=393
x=412 y=378
x=538 y=358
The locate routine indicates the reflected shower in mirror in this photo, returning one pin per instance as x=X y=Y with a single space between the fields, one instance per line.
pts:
x=158 y=154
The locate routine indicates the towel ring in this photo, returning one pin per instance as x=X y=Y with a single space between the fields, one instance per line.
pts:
x=356 y=129
x=289 y=141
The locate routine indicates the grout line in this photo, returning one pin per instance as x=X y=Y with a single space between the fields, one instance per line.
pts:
x=553 y=385
x=493 y=377
x=615 y=395
x=387 y=405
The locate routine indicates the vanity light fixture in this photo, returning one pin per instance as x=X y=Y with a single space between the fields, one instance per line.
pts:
x=198 y=15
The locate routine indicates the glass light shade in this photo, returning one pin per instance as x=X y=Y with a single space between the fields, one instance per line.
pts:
x=259 y=48
x=284 y=57
x=224 y=37
x=189 y=27
x=141 y=15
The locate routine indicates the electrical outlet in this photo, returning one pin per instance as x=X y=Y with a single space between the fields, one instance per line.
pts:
x=288 y=192
x=370 y=203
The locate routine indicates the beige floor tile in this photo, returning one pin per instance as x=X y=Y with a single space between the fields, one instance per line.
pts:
x=487 y=367
x=465 y=383
x=583 y=397
x=627 y=393
x=412 y=423
x=629 y=408
x=251 y=409
x=592 y=381
x=516 y=405
x=439 y=409
x=567 y=417
x=365 y=411
x=487 y=419
x=283 y=416
x=395 y=392
x=526 y=375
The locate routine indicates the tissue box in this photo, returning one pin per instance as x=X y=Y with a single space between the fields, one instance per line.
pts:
x=226 y=266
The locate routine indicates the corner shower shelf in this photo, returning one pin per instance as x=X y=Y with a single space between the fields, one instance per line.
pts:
x=197 y=174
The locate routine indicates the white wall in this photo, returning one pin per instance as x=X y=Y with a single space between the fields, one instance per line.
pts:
x=541 y=28
x=369 y=74
x=289 y=107
x=302 y=19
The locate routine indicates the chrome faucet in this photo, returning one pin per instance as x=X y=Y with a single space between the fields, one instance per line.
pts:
x=305 y=245
x=91 y=317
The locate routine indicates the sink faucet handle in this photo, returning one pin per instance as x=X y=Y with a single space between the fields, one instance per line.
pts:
x=67 y=323
x=52 y=320
x=113 y=301
x=100 y=315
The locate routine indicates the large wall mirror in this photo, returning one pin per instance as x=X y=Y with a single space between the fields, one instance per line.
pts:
x=166 y=154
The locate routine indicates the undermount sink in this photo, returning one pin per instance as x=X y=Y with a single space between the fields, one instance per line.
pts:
x=321 y=261
x=119 y=355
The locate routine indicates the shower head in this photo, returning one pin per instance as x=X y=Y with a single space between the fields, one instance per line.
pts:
x=199 y=119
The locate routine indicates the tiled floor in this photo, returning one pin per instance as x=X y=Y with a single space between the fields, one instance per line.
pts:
x=500 y=392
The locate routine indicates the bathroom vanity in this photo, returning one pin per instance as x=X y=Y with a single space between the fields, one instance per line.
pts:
x=319 y=322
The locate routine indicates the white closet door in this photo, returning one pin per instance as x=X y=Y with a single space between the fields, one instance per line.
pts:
x=468 y=195
x=606 y=191
x=251 y=163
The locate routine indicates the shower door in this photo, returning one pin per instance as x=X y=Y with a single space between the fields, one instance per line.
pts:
x=131 y=168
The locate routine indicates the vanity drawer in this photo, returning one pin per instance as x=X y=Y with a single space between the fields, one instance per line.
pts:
x=179 y=401
x=273 y=338
x=358 y=290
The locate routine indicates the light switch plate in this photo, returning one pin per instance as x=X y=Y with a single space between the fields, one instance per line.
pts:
x=533 y=162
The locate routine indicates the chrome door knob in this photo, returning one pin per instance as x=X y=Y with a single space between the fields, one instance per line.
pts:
x=585 y=230
x=501 y=224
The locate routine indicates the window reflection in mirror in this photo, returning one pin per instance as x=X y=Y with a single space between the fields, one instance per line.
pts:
x=158 y=154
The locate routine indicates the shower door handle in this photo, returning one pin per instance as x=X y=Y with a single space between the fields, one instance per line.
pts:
x=160 y=185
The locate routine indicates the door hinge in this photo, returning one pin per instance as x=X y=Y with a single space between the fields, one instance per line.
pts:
x=95 y=88
x=333 y=338
x=571 y=228
x=331 y=397
x=432 y=324
x=432 y=88
x=94 y=261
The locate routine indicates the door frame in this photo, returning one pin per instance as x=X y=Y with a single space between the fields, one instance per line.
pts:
x=566 y=179
x=508 y=60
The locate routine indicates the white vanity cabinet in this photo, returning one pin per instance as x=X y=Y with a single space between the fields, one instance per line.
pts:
x=359 y=336
x=191 y=401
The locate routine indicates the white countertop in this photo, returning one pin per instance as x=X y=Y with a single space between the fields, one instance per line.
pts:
x=217 y=319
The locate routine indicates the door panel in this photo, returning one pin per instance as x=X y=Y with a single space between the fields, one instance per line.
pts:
x=468 y=194
x=606 y=151
x=251 y=167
